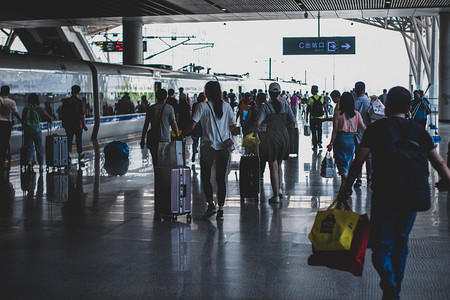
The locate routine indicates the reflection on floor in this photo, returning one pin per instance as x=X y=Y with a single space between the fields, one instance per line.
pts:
x=87 y=234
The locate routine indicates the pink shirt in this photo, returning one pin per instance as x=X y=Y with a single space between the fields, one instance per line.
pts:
x=342 y=124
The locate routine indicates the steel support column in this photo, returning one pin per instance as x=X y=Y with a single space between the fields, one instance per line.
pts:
x=444 y=67
x=132 y=43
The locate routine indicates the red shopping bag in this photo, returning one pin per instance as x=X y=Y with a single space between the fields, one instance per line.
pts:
x=352 y=260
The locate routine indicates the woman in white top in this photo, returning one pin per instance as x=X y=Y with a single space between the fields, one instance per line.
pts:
x=217 y=120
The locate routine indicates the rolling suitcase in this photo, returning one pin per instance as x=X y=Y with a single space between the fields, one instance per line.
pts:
x=173 y=191
x=57 y=187
x=249 y=175
x=293 y=140
x=56 y=151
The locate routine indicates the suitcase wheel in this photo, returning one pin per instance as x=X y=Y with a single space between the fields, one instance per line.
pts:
x=189 y=218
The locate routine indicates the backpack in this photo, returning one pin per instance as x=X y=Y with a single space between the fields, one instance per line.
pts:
x=116 y=150
x=317 y=108
x=69 y=114
x=407 y=179
x=32 y=124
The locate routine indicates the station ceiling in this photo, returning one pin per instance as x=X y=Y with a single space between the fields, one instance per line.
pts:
x=51 y=13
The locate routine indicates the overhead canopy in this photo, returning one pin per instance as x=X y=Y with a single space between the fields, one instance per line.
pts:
x=50 y=13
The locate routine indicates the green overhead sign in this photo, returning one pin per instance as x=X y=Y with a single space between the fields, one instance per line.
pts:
x=319 y=45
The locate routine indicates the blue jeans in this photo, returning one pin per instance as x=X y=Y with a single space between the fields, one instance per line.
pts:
x=78 y=133
x=36 y=139
x=389 y=241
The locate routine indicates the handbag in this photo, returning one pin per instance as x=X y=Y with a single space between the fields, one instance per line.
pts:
x=327 y=167
x=333 y=228
x=228 y=143
x=376 y=110
x=352 y=260
x=306 y=130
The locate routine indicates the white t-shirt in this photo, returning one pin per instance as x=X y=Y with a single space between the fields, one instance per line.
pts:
x=210 y=135
x=7 y=106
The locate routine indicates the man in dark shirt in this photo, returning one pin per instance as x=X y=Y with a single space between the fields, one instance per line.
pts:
x=394 y=209
x=171 y=99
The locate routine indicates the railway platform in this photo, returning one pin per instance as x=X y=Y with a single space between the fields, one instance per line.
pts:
x=102 y=240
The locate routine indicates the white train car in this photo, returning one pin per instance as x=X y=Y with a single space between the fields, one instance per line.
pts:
x=52 y=78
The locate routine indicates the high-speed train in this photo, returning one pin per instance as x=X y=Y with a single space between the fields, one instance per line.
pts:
x=102 y=85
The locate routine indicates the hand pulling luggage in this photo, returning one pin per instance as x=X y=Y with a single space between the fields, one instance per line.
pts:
x=57 y=187
x=293 y=140
x=56 y=151
x=249 y=175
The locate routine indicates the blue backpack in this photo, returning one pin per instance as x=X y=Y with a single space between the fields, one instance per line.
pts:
x=116 y=150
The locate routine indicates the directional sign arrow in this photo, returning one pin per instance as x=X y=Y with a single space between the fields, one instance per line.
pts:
x=346 y=46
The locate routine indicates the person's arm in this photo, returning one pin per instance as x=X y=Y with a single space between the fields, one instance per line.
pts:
x=47 y=116
x=145 y=129
x=308 y=110
x=425 y=105
x=439 y=164
x=325 y=108
x=83 y=116
x=187 y=130
x=361 y=124
x=333 y=133
x=174 y=126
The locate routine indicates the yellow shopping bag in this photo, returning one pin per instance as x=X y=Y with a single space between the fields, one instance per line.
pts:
x=333 y=229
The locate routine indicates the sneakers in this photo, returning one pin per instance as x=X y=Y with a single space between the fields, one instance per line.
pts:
x=320 y=146
x=388 y=291
x=80 y=156
x=280 y=193
x=357 y=183
x=219 y=216
x=210 y=211
x=274 y=199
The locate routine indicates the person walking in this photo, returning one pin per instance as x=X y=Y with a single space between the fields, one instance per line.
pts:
x=217 y=120
x=346 y=121
x=275 y=142
x=161 y=116
x=183 y=114
x=73 y=114
x=420 y=108
x=401 y=149
x=317 y=110
x=362 y=105
x=32 y=114
x=7 y=109
x=197 y=132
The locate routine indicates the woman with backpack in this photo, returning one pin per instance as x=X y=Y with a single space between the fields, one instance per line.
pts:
x=32 y=115
x=275 y=142
x=346 y=121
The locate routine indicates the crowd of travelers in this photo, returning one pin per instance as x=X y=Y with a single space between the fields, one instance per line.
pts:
x=378 y=129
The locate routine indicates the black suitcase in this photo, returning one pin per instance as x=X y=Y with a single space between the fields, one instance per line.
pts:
x=249 y=176
x=293 y=140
